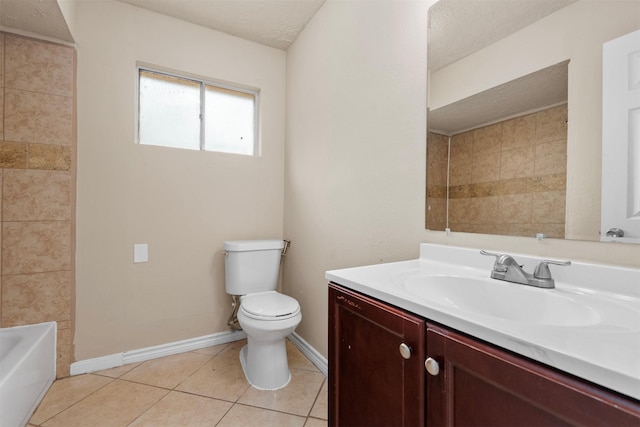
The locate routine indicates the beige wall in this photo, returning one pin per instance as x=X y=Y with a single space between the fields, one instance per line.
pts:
x=37 y=186
x=575 y=32
x=183 y=203
x=355 y=171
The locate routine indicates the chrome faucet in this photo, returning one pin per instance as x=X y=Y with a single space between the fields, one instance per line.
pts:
x=506 y=268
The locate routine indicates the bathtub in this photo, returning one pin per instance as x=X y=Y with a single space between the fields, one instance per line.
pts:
x=27 y=370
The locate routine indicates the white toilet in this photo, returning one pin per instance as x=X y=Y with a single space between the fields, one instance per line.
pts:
x=267 y=317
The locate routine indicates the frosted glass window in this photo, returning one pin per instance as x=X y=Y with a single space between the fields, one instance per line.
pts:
x=169 y=111
x=229 y=121
x=182 y=112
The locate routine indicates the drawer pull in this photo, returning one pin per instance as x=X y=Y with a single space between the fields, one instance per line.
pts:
x=432 y=366
x=405 y=351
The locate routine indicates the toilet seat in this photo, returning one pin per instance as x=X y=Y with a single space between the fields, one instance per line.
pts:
x=269 y=305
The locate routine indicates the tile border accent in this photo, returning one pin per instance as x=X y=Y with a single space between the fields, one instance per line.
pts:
x=148 y=353
x=311 y=353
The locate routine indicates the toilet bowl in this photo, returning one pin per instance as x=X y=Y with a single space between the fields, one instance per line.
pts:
x=267 y=318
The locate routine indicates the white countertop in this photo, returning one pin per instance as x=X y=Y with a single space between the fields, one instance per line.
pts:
x=606 y=352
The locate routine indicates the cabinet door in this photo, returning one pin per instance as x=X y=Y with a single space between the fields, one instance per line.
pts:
x=370 y=382
x=481 y=385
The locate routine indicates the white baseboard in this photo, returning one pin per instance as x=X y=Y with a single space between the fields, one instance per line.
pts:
x=311 y=353
x=148 y=353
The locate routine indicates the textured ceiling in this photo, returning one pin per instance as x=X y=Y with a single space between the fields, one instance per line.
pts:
x=42 y=17
x=458 y=28
x=529 y=93
x=274 y=23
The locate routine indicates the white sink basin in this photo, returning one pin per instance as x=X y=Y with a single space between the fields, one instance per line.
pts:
x=503 y=300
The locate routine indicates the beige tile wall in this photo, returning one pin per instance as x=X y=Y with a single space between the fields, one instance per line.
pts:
x=437 y=158
x=507 y=178
x=37 y=186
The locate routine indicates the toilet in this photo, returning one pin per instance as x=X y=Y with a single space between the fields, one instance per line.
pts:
x=268 y=317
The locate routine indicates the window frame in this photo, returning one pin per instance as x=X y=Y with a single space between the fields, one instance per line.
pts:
x=203 y=82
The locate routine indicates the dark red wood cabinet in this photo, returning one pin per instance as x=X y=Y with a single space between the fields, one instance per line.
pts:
x=469 y=383
x=370 y=382
x=481 y=385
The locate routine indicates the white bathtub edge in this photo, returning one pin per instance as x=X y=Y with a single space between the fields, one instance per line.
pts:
x=35 y=368
x=52 y=376
x=148 y=353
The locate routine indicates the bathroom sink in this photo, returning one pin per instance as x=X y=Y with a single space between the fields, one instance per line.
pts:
x=502 y=300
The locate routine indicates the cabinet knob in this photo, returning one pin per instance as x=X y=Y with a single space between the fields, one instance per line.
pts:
x=405 y=351
x=432 y=366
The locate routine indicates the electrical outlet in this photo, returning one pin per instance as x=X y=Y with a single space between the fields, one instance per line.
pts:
x=140 y=252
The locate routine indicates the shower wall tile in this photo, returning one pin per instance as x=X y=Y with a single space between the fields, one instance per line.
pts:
x=64 y=353
x=437 y=158
x=552 y=124
x=555 y=182
x=487 y=139
x=517 y=163
x=515 y=208
x=13 y=155
x=49 y=157
x=37 y=117
x=484 y=209
x=549 y=207
x=484 y=228
x=36 y=298
x=461 y=159
x=519 y=132
x=513 y=186
x=508 y=229
x=33 y=247
x=38 y=66
x=1 y=112
x=37 y=84
x=482 y=189
x=437 y=213
x=460 y=210
x=521 y=164
x=459 y=191
x=1 y=59
x=486 y=167
x=31 y=195
x=551 y=158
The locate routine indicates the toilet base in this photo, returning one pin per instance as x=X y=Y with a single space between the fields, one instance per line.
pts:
x=266 y=367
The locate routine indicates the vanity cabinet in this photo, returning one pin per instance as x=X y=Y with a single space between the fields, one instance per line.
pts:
x=370 y=382
x=479 y=384
x=469 y=381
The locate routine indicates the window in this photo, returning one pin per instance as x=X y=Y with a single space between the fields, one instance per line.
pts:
x=183 y=112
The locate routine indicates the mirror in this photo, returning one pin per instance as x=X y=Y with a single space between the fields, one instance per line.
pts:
x=524 y=81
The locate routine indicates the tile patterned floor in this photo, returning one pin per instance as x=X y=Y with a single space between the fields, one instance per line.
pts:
x=199 y=388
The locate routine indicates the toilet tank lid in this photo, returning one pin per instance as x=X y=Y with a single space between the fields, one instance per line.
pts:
x=253 y=245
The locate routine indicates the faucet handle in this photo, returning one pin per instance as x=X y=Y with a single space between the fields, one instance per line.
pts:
x=542 y=270
x=499 y=264
x=497 y=255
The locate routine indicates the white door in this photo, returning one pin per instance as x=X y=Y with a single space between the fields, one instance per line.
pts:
x=621 y=137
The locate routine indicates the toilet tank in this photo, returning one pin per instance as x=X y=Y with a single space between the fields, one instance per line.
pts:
x=252 y=265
